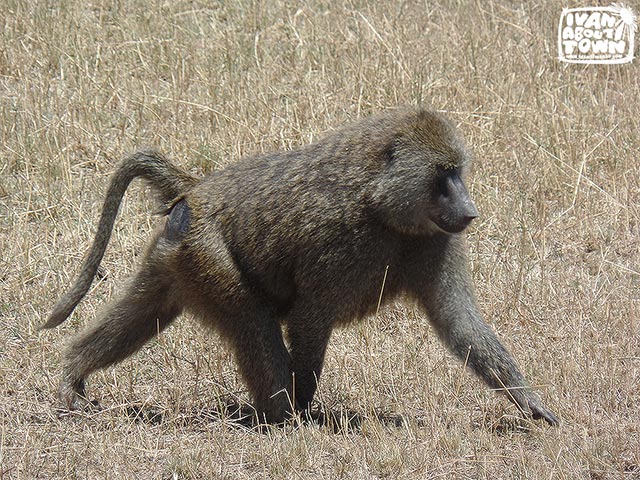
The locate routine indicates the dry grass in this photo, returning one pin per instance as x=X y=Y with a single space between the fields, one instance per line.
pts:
x=555 y=255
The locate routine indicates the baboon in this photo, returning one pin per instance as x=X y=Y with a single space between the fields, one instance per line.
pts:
x=299 y=242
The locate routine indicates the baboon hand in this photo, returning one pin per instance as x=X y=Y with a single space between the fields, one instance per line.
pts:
x=531 y=406
x=540 y=411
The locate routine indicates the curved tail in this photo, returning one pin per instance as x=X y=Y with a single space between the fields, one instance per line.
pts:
x=170 y=181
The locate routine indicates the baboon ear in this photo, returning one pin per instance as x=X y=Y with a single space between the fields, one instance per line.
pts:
x=390 y=152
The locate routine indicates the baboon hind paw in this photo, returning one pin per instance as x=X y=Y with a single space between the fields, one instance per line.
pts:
x=73 y=399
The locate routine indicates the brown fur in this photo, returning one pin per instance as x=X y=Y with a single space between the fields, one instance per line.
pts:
x=300 y=240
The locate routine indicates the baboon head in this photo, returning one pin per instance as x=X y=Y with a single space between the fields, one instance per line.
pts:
x=421 y=188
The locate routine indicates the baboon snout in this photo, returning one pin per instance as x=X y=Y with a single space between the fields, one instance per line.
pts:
x=455 y=210
x=469 y=211
x=466 y=213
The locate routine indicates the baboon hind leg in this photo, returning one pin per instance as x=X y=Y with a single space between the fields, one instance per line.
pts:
x=143 y=310
x=226 y=302
x=264 y=362
x=308 y=331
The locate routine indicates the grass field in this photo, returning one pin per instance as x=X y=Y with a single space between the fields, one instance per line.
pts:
x=555 y=253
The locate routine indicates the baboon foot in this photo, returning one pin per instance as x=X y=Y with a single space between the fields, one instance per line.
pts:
x=71 y=396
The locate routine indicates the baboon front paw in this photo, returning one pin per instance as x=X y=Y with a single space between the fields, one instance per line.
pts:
x=532 y=407
x=539 y=411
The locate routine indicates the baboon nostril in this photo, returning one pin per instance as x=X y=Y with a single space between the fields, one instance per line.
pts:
x=471 y=212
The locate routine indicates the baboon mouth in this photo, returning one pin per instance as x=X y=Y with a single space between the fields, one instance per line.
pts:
x=453 y=227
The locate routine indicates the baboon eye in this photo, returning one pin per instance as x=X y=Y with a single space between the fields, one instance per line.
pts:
x=444 y=179
x=441 y=186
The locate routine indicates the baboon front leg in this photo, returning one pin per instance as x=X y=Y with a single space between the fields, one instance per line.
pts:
x=451 y=305
x=142 y=311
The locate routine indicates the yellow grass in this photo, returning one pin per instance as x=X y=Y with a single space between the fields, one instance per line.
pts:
x=555 y=254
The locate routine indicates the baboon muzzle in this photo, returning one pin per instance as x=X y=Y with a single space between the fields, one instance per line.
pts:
x=455 y=210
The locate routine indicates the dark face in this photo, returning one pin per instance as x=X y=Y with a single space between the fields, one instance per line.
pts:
x=452 y=208
x=420 y=190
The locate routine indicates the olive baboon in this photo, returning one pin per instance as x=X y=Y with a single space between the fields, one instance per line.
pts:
x=300 y=240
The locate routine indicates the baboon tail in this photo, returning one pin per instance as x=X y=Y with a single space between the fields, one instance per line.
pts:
x=170 y=181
